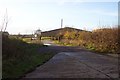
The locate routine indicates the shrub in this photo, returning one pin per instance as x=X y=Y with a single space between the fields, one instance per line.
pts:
x=102 y=40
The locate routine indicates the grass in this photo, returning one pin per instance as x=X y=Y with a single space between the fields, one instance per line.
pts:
x=20 y=57
x=45 y=38
x=28 y=40
x=63 y=44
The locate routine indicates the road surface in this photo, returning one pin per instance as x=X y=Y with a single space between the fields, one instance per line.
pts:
x=75 y=62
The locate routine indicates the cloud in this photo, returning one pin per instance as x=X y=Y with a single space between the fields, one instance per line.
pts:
x=101 y=12
x=110 y=13
x=75 y=1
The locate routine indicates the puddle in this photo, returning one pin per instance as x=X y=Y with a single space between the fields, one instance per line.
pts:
x=47 y=44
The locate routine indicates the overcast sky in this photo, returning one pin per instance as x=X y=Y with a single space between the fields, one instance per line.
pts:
x=25 y=16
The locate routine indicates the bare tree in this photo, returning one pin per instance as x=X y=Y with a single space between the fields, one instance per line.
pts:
x=5 y=22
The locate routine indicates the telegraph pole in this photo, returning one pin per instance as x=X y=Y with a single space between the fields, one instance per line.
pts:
x=61 y=23
x=60 y=32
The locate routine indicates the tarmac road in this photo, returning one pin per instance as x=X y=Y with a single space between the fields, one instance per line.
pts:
x=75 y=62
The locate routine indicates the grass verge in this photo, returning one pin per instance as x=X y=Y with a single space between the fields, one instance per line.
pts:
x=89 y=47
x=20 y=57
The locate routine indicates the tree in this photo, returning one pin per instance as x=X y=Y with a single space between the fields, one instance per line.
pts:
x=5 y=22
x=73 y=35
x=67 y=35
x=38 y=34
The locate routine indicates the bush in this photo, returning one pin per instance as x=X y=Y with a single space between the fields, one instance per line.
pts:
x=102 y=40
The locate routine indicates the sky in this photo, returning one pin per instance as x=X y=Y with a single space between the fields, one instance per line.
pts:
x=26 y=16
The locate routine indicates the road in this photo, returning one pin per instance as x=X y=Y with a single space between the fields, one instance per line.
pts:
x=75 y=62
